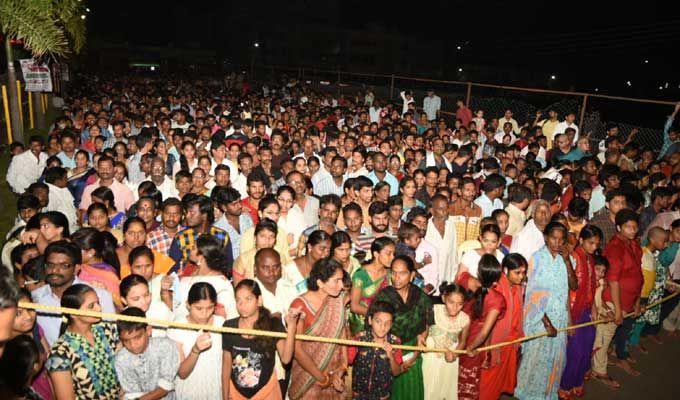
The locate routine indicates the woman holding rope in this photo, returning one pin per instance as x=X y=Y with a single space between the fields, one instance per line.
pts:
x=319 y=369
x=581 y=302
x=550 y=276
x=414 y=314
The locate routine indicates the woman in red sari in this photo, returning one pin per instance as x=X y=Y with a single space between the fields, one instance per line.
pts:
x=319 y=369
x=499 y=374
x=485 y=308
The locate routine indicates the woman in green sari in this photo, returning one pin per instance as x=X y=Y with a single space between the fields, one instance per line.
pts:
x=414 y=313
x=368 y=280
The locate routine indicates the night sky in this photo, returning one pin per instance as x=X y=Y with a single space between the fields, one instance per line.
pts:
x=586 y=45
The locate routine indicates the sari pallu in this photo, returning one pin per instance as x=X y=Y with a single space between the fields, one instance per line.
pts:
x=500 y=375
x=329 y=321
x=410 y=320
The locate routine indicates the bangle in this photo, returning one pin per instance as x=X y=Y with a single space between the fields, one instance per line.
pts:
x=327 y=382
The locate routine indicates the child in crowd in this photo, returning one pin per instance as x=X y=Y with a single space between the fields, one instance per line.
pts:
x=450 y=331
x=146 y=366
x=654 y=274
x=162 y=287
x=200 y=370
x=409 y=240
x=134 y=292
x=248 y=362
x=374 y=368
x=603 y=332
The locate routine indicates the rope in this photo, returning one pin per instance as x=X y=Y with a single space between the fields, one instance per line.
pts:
x=282 y=335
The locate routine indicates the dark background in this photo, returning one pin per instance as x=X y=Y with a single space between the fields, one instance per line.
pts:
x=586 y=45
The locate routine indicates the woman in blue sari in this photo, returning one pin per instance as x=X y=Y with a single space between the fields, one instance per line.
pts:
x=78 y=176
x=546 y=308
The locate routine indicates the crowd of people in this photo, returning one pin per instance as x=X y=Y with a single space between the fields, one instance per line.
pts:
x=284 y=209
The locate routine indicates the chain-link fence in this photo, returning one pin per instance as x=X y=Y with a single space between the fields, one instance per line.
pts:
x=648 y=116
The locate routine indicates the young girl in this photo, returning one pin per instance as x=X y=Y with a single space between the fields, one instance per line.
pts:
x=374 y=368
x=134 y=292
x=163 y=288
x=200 y=370
x=368 y=280
x=24 y=325
x=490 y=240
x=211 y=269
x=98 y=218
x=248 y=362
x=265 y=238
x=580 y=341
x=484 y=309
x=407 y=188
x=450 y=331
x=81 y=361
x=99 y=265
x=500 y=374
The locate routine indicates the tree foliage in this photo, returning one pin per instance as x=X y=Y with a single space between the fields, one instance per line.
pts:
x=47 y=27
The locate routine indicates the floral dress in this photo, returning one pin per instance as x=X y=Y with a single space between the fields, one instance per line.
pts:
x=91 y=366
x=371 y=371
x=444 y=334
x=651 y=316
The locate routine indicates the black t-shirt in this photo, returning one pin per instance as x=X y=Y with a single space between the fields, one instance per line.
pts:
x=250 y=368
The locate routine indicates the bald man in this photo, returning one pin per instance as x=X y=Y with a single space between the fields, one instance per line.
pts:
x=277 y=293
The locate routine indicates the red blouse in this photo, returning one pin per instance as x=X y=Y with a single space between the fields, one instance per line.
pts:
x=582 y=298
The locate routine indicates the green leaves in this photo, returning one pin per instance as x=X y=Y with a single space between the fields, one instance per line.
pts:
x=47 y=27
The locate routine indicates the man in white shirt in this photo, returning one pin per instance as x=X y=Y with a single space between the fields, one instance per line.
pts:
x=334 y=183
x=163 y=183
x=27 y=167
x=60 y=197
x=530 y=239
x=374 y=112
x=441 y=233
x=567 y=123
x=218 y=151
x=62 y=265
x=407 y=99
x=324 y=169
x=276 y=294
x=431 y=105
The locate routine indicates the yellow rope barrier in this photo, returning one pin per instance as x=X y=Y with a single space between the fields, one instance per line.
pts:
x=282 y=335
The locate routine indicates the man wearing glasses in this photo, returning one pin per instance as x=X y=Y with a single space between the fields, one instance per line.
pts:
x=62 y=264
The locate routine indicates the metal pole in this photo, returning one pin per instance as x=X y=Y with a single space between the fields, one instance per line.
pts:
x=11 y=95
x=30 y=110
x=583 y=111
x=5 y=104
x=392 y=87
x=469 y=93
x=21 y=105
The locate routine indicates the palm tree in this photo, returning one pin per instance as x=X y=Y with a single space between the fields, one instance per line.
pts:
x=46 y=28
